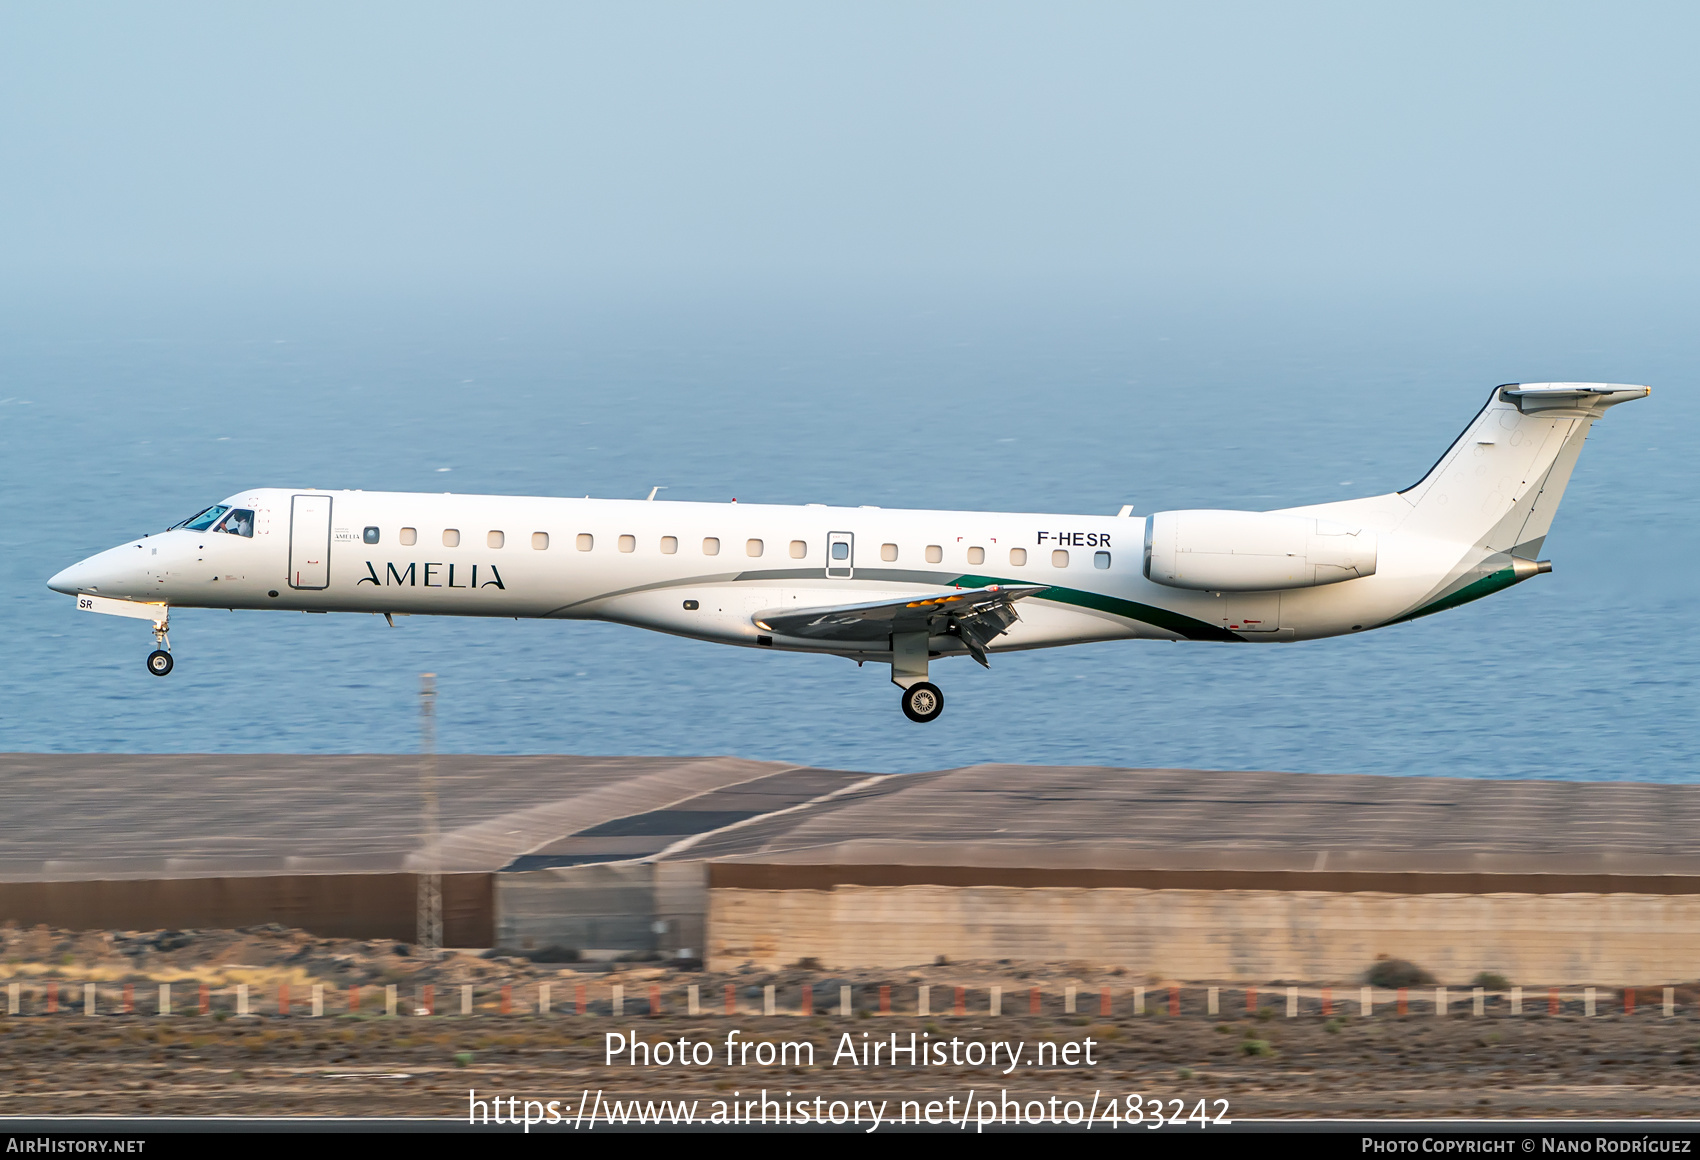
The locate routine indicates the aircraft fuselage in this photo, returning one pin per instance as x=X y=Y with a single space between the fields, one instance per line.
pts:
x=886 y=585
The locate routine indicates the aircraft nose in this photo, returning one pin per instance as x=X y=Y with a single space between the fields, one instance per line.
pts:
x=105 y=572
x=71 y=580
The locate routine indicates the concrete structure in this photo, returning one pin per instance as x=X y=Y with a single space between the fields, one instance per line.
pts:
x=1187 y=874
x=1178 y=874
x=1233 y=936
x=331 y=843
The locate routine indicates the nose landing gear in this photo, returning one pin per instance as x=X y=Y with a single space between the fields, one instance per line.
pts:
x=159 y=612
x=159 y=660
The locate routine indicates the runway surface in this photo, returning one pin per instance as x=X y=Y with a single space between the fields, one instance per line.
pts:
x=73 y=817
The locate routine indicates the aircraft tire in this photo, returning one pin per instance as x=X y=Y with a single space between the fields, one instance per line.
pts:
x=923 y=702
x=159 y=662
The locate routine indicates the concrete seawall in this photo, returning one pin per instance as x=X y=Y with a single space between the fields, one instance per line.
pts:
x=1227 y=935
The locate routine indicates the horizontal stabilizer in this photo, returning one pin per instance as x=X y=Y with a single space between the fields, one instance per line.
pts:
x=1582 y=400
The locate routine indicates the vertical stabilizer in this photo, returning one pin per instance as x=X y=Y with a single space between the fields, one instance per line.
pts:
x=1498 y=486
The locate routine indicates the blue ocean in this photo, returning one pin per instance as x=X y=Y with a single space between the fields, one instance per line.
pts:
x=122 y=415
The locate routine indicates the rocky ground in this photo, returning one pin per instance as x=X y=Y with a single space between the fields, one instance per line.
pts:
x=366 y=1063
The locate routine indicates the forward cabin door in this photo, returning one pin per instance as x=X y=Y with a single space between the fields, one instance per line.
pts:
x=840 y=555
x=310 y=542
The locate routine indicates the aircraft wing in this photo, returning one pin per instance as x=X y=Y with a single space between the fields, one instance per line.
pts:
x=976 y=615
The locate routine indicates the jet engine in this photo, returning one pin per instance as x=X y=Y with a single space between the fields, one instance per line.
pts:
x=1227 y=551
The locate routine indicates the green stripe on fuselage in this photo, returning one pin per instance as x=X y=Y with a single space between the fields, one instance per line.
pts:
x=1475 y=590
x=1144 y=613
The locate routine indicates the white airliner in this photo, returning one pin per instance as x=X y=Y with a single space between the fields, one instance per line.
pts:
x=888 y=586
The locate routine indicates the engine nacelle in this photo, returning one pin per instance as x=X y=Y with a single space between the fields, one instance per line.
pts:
x=1226 y=551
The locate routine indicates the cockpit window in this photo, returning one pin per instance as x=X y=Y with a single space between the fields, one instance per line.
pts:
x=238 y=523
x=204 y=520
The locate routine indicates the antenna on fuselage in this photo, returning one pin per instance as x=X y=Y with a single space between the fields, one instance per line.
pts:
x=656 y=488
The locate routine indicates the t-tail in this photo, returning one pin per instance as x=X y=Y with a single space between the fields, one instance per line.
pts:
x=1495 y=491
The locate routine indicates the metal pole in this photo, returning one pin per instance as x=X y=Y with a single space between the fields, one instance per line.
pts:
x=430 y=917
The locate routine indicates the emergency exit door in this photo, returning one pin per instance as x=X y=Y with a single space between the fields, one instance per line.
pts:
x=310 y=542
x=840 y=556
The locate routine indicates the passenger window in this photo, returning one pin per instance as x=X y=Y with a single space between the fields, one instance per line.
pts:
x=799 y=549
x=1100 y=559
x=409 y=537
x=586 y=541
x=1018 y=557
x=752 y=547
x=451 y=537
x=495 y=539
x=370 y=535
x=934 y=553
x=711 y=546
x=976 y=555
x=841 y=551
x=888 y=552
x=628 y=543
x=1059 y=558
x=669 y=545
x=540 y=540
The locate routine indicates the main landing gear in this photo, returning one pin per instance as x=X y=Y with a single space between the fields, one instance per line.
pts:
x=922 y=702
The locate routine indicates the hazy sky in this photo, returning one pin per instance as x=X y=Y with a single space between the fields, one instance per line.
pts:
x=1163 y=143
x=1048 y=256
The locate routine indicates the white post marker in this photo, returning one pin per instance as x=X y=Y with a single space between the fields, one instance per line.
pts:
x=242 y=998
x=767 y=999
x=1366 y=1000
x=466 y=999
x=165 y=998
x=318 y=1000
x=543 y=999
x=923 y=1001
x=1292 y=1002
x=1068 y=1000
x=11 y=998
x=844 y=1002
x=997 y=1000
x=1480 y=998
x=1588 y=1001
x=618 y=995
x=1213 y=1006
x=1670 y=1002
x=1139 y=1000
x=1440 y=1001
x=693 y=1001
x=1516 y=1000
x=88 y=999
x=389 y=999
